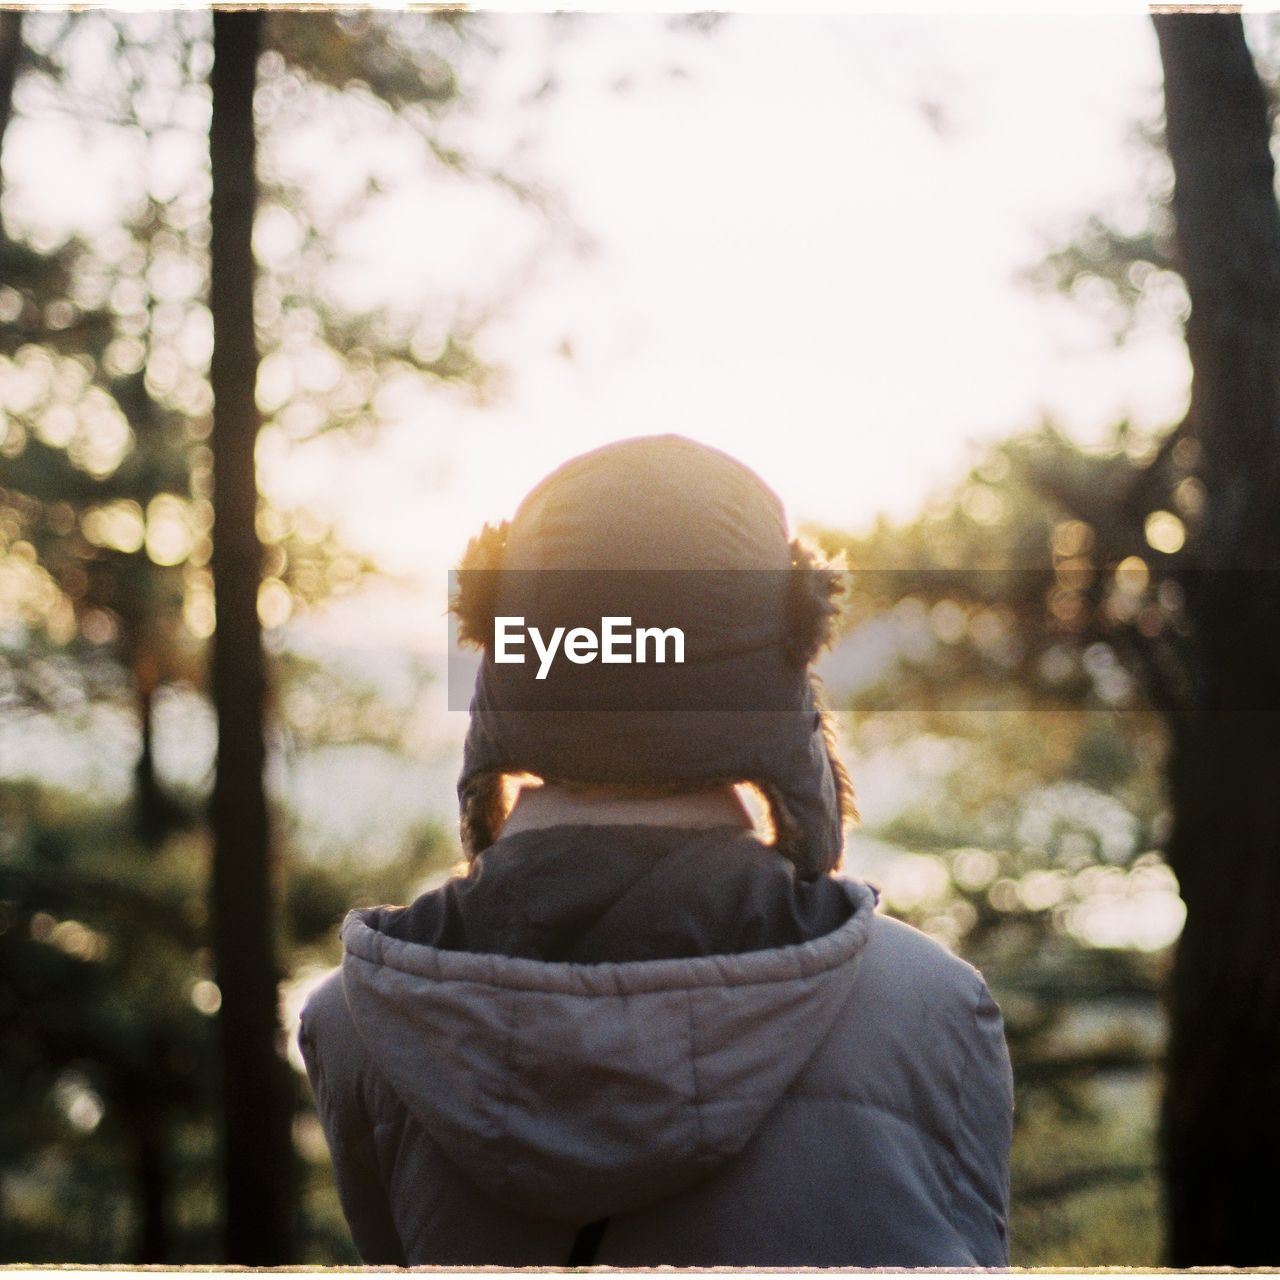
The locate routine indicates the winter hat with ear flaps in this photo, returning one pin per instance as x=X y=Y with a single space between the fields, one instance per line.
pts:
x=663 y=502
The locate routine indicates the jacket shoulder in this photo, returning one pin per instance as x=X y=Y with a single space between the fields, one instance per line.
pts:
x=331 y=1044
x=325 y=1016
x=915 y=969
x=918 y=1021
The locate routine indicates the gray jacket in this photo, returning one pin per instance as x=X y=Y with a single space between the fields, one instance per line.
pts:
x=845 y=1101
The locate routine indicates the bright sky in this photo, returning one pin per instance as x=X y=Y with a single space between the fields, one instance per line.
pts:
x=806 y=253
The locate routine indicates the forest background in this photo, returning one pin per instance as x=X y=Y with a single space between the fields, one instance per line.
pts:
x=291 y=301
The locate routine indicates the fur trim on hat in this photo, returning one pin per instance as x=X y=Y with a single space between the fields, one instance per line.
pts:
x=815 y=584
x=473 y=599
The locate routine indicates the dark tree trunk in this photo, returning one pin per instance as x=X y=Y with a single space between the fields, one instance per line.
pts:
x=257 y=1093
x=153 y=1186
x=152 y=817
x=10 y=53
x=155 y=814
x=10 y=57
x=1221 y=1117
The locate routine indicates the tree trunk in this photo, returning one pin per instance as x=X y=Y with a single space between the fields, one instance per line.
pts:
x=10 y=53
x=1220 y=1131
x=155 y=814
x=257 y=1090
x=153 y=1185
x=10 y=56
x=151 y=813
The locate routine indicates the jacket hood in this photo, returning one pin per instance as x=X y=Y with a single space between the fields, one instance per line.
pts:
x=578 y=1091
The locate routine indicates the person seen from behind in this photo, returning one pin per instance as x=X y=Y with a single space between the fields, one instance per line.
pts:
x=636 y=1032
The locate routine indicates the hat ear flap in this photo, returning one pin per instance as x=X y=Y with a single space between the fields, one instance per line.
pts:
x=811 y=602
x=477 y=584
x=482 y=810
x=810 y=811
x=845 y=794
